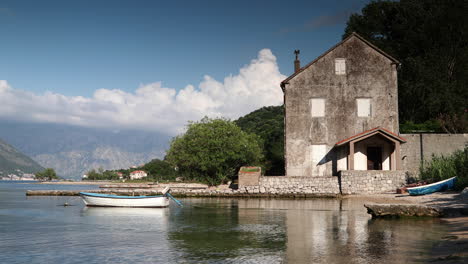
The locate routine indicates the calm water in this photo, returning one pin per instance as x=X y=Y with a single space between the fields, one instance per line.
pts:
x=40 y=230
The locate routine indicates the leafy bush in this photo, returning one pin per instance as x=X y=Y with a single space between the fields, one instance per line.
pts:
x=213 y=150
x=428 y=126
x=444 y=167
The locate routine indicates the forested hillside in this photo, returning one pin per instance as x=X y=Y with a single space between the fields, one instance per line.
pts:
x=268 y=123
x=13 y=161
x=430 y=39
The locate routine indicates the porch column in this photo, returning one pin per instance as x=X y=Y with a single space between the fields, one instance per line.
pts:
x=397 y=156
x=351 y=156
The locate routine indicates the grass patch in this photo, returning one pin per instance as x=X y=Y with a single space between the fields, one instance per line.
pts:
x=250 y=169
x=444 y=167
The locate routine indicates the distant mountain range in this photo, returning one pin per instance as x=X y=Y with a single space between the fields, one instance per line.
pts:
x=72 y=150
x=14 y=162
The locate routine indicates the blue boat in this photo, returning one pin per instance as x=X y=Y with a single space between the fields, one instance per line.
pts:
x=433 y=187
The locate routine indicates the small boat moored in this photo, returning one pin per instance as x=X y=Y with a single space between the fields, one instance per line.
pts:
x=433 y=187
x=109 y=200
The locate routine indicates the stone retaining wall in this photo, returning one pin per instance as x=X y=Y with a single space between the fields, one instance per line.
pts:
x=352 y=182
x=294 y=185
x=368 y=182
x=422 y=146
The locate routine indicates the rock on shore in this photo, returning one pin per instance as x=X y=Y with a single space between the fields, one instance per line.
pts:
x=397 y=210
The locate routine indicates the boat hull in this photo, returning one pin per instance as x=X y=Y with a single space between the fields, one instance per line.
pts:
x=106 y=200
x=432 y=188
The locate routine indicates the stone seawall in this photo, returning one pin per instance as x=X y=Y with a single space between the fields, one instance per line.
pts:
x=348 y=182
x=369 y=182
x=295 y=185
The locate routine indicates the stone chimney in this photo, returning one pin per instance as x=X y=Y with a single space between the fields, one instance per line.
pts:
x=297 y=63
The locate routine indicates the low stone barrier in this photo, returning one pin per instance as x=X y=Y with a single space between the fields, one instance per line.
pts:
x=294 y=185
x=154 y=185
x=372 y=181
x=209 y=192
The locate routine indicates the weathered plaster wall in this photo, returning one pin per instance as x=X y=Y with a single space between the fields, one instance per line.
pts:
x=423 y=146
x=369 y=74
x=368 y=182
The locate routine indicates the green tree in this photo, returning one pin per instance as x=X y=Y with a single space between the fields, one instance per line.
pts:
x=160 y=169
x=93 y=175
x=102 y=174
x=46 y=175
x=268 y=124
x=430 y=39
x=212 y=151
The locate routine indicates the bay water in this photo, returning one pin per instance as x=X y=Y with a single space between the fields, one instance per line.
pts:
x=205 y=230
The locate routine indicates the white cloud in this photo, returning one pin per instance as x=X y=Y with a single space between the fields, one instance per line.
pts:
x=152 y=106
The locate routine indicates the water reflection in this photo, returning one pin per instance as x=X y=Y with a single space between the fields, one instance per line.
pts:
x=225 y=230
x=297 y=231
x=40 y=230
x=155 y=213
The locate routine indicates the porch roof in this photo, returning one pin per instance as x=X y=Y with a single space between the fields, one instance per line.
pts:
x=371 y=132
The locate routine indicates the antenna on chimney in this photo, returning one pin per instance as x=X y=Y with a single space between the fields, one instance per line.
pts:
x=297 y=63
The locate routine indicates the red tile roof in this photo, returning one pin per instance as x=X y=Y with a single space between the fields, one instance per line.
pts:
x=137 y=171
x=371 y=131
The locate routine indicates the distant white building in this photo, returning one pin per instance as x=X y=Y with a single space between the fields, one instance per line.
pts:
x=138 y=174
x=14 y=177
x=28 y=177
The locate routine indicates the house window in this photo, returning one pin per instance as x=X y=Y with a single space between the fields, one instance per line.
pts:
x=317 y=107
x=340 y=67
x=364 y=108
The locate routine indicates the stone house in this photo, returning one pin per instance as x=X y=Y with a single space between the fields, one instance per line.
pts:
x=342 y=128
x=138 y=174
x=341 y=112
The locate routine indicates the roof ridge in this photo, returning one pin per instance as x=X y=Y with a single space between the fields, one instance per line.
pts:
x=285 y=81
x=370 y=131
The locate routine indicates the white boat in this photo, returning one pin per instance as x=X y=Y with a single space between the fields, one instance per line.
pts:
x=109 y=200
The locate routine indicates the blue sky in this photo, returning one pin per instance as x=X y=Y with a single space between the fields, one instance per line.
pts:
x=74 y=48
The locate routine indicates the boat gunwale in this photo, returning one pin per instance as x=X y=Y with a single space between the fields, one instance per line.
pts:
x=429 y=185
x=111 y=196
x=125 y=206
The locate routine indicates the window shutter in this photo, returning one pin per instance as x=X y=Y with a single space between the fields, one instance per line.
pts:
x=317 y=107
x=364 y=107
x=340 y=66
